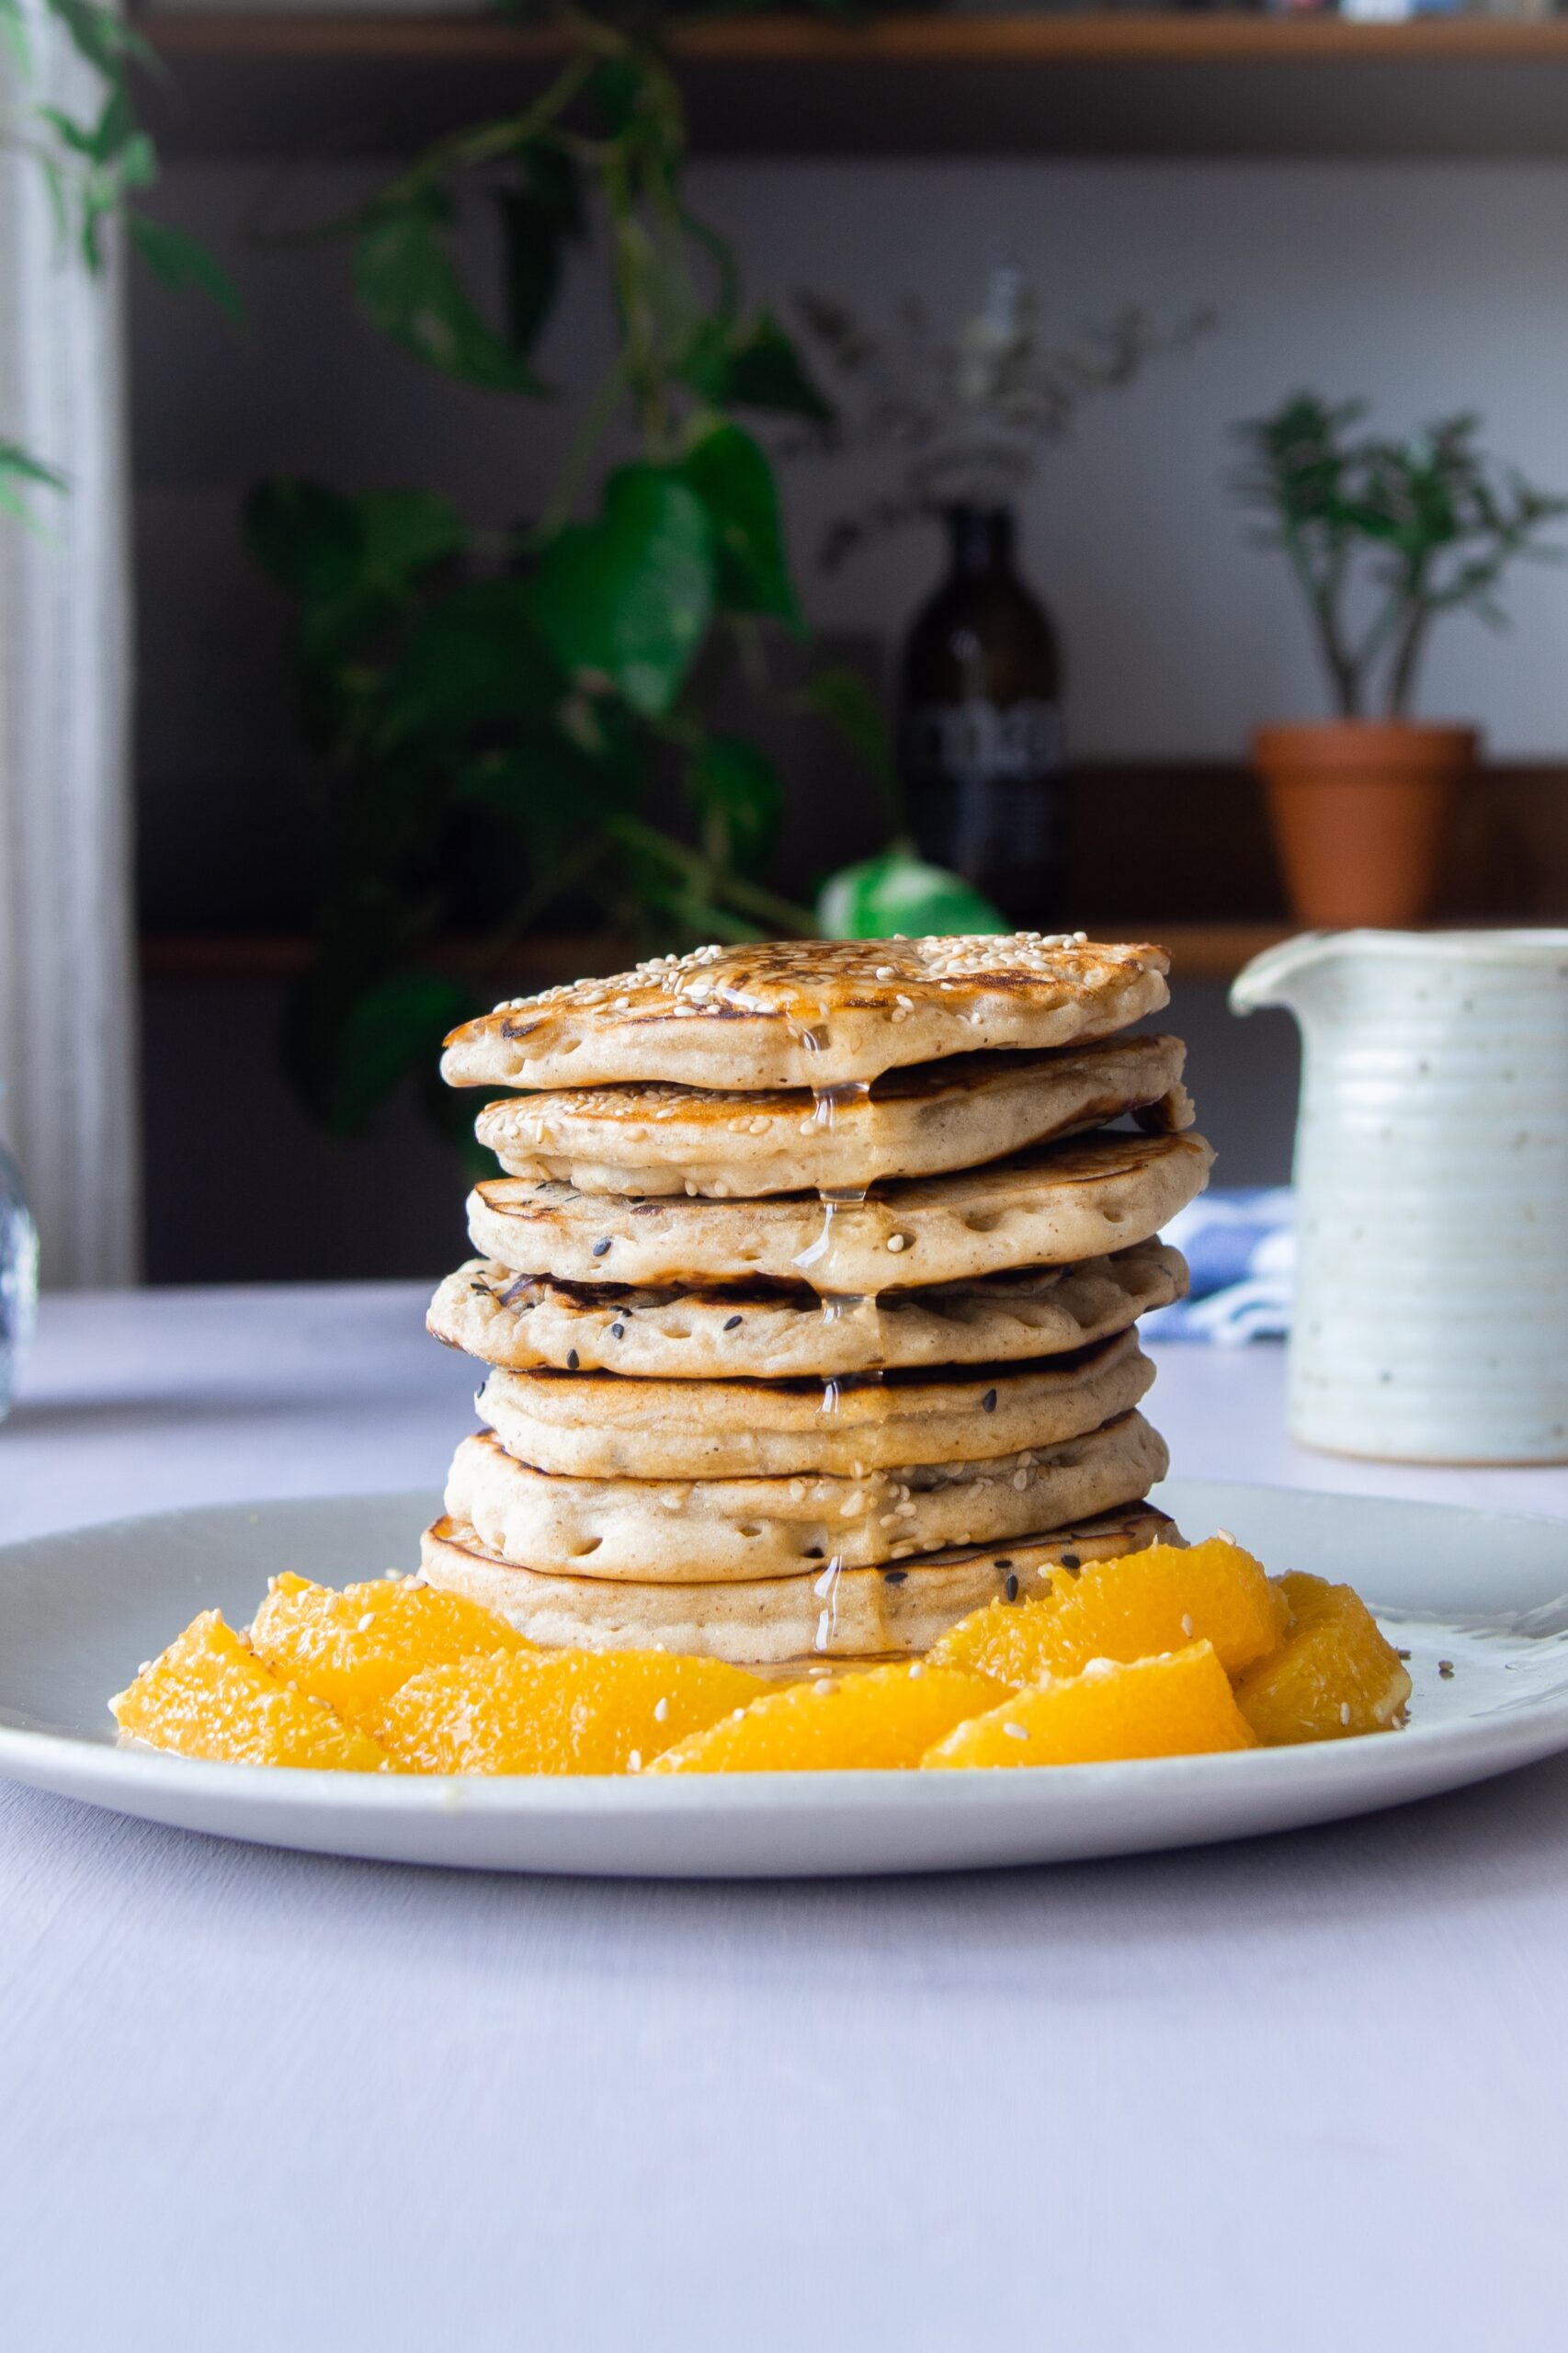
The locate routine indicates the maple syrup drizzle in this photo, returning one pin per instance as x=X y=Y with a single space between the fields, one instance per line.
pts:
x=834 y=1306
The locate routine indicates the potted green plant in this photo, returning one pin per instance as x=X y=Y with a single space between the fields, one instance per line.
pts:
x=1384 y=538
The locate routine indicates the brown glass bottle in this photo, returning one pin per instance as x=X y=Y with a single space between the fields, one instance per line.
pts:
x=980 y=729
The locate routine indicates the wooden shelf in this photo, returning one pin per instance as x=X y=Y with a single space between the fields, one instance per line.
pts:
x=1004 y=40
x=1029 y=84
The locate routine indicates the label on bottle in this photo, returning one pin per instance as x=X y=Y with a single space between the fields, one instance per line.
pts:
x=985 y=786
x=972 y=742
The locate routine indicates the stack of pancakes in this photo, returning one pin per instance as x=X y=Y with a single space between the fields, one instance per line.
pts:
x=809 y=1293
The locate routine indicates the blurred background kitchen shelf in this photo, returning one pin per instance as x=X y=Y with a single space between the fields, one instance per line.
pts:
x=1178 y=83
x=1369 y=209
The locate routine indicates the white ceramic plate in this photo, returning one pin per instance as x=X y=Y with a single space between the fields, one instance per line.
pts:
x=1485 y=1592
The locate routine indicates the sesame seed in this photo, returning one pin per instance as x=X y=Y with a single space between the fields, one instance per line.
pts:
x=574 y=1361
x=1020 y=1479
x=366 y=1622
x=1445 y=1669
x=635 y=1762
x=884 y=971
x=1069 y=1560
x=1186 y=1626
x=661 y=1711
x=988 y=1403
x=897 y=1241
x=617 y=1331
x=917 y=1669
x=599 y=1248
x=1016 y=1731
x=733 y=1324
x=1224 y=1536
x=896 y=1576
x=1011 y=1588
x=1345 y=1712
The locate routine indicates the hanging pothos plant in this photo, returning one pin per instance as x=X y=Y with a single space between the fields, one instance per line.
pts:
x=559 y=680
x=93 y=166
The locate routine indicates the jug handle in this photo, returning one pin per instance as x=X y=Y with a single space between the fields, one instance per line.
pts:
x=1269 y=978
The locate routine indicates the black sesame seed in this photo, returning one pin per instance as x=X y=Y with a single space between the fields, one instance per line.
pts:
x=599 y=1248
x=733 y=1323
x=1011 y=1588
x=1445 y=1669
x=1069 y=1560
x=572 y=1360
x=483 y=1288
x=617 y=1331
x=988 y=1403
x=1000 y=1563
x=1402 y=1654
x=894 y=1576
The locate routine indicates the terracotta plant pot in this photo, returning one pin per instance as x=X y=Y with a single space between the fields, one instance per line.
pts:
x=1360 y=809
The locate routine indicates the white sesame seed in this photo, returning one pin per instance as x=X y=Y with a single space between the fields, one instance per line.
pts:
x=1187 y=1627
x=635 y=1762
x=897 y=1241
x=1016 y=1731
x=1224 y=1536
x=1345 y=1712
x=366 y=1622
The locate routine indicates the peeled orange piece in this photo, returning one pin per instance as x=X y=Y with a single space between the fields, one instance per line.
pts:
x=1334 y=1674
x=210 y=1695
x=881 y=1717
x=1159 y=1599
x=1178 y=1705
x=557 y=1712
x=353 y=1648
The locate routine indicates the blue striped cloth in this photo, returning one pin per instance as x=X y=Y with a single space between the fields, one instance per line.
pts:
x=1241 y=1246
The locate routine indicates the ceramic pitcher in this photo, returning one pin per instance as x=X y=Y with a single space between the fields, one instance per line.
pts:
x=1431 y=1317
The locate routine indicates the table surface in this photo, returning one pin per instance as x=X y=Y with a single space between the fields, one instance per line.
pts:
x=1299 y=2092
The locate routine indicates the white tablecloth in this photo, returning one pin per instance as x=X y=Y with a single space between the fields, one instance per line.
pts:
x=1301 y=2093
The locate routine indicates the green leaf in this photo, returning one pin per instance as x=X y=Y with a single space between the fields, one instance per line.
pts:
x=352 y=563
x=184 y=264
x=396 y=1027
x=409 y=286
x=17 y=467
x=735 y=481
x=471 y=662
x=899 y=892
x=538 y=218
x=764 y=371
x=629 y=599
x=737 y=796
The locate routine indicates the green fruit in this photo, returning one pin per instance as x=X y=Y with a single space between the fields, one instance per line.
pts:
x=899 y=892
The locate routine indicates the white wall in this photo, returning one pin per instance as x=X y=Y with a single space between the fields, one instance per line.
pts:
x=1428 y=287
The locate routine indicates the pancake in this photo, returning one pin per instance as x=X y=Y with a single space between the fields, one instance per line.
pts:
x=785 y=1331
x=703 y=1531
x=603 y=1426
x=866 y=1613
x=809 y=1013
x=916 y=1122
x=1051 y=1206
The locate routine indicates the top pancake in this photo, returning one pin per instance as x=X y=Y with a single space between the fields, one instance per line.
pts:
x=809 y=1013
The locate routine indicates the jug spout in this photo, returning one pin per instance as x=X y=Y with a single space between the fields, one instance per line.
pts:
x=1283 y=975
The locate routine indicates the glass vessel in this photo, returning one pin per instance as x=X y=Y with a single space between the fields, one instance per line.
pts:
x=980 y=735
x=18 y=1277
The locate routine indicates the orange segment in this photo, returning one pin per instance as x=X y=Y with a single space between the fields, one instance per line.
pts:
x=210 y=1696
x=1333 y=1675
x=1157 y=1600
x=1179 y=1705
x=557 y=1712
x=353 y=1649
x=884 y=1717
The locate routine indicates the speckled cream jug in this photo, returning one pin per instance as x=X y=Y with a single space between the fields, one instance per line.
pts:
x=1431 y=1317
